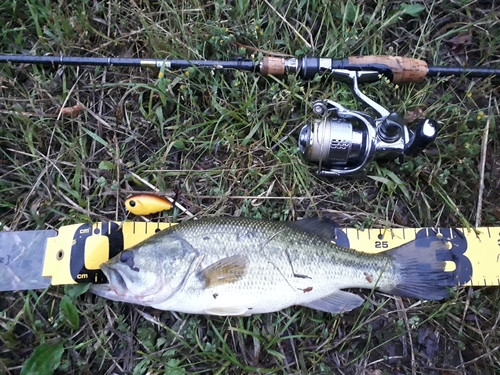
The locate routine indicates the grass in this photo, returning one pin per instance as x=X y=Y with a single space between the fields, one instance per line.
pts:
x=225 y=144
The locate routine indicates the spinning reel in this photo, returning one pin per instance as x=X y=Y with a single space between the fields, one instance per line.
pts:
x=343 y=142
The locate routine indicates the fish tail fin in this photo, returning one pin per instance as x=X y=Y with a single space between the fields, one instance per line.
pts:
x=421 y=270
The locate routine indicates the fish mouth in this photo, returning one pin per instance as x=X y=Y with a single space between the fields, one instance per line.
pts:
x=115 y=280
x=118 y=288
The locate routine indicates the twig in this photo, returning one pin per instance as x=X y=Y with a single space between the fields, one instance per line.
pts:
x=156 y=190
x=288 y=23
x=263 y=51
x=484 y=147
x=68 y=96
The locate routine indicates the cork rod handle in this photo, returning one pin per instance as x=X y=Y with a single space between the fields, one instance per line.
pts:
x=273 y=66
x=404 y=69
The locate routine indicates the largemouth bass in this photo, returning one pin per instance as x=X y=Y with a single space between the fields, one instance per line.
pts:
x=235 y=266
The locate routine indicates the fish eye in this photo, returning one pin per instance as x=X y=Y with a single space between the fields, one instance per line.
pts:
x=126 y=256
x=132 y=203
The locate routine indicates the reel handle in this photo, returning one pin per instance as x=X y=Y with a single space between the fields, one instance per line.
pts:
x=423 y=136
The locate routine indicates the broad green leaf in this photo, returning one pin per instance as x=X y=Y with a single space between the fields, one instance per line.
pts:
x=73 y=291
x=45 y=359
x=70 y=312
x=173 y=369
x=106 y=165
x=349 y=12
x=412 y=9
x=399 y=183
x=380 y=179
x=141 y=367
x=179 y=144
x=159 y=115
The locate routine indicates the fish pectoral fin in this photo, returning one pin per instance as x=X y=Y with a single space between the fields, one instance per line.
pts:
x=224 y=271
x=336 y=302
x=227 y=310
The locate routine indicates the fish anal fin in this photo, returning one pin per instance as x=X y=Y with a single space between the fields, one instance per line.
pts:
x=224 y=271
x=337 y=302
x=227 y=311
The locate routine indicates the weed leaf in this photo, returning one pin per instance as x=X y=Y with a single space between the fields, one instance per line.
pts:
x=173 y=369
x=106 y=165
x=381 y=179
x=95 y=137
x=70 y=312
x=141 y=367
x=45 y=359
x=351 y=12
x=411 y=9
x=73 y=291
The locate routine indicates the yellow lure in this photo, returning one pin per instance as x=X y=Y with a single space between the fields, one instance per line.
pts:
x=146 y=204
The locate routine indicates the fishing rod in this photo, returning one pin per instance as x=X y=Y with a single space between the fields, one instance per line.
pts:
x=396 y=68
x=341 y=141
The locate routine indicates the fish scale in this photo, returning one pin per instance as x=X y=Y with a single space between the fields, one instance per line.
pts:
x=272 y=241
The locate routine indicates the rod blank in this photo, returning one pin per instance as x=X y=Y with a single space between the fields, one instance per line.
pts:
x=239 y=64
x=473 y=72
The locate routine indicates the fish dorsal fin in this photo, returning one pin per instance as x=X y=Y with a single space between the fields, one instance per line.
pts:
x=336 y=302
x=224 y=271
x=323 y=227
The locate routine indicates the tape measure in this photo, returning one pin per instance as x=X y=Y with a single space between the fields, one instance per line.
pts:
x=75 y=254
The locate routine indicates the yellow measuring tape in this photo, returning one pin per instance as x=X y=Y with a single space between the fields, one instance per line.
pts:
x=74 y=256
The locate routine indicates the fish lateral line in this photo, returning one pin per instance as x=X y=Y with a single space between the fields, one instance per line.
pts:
x=298 y=275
